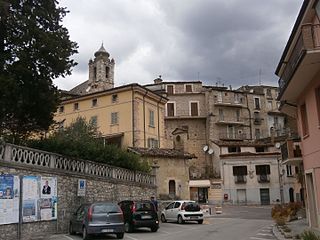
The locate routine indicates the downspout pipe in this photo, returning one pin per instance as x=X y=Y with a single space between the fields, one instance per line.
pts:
x=250 y=123
x=158 y=113
x=144 y=119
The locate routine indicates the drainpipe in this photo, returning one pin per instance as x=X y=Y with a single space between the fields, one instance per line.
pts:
x=158 y=113
x=250 y=124
x=144 y=119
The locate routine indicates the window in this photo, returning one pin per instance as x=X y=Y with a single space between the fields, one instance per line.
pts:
x=269 y=92
x=262 y=169
x=257 y=133
x=289 y=171
x=114 y=98
x=188 y=87
x=95 y=73
x=172 y=188
x=94 y=121
x=153 y=143
x=304 y=120
x=221 y=118
x=260 y=149
x=237 y=98
x=238 y=115
x=170 y=109
x=276 y=121
x=76 y=106
x=240 y=171
x=318 y=102
x=234 y=149
x=194 y=110
x=257 y=103
x=151 y=118
x=270 y=105
x=107 y=71
x=94 y=102
x=61 y=109
x=170 y=89
x=114 y=118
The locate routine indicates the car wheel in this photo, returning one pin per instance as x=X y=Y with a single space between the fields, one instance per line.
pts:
x=71 y=230
x=200 y=221
x=180 y=220
x=128 y=227
x=120 y=235
x=85 y=235
x=154 y=228
x=163 y=218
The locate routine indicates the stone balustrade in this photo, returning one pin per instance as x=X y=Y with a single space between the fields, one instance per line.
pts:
x=32 y=157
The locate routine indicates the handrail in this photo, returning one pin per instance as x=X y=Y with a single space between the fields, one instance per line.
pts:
x=33 y=157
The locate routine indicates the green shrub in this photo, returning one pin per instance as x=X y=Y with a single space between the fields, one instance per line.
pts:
x=81 y=140
x=309 y=235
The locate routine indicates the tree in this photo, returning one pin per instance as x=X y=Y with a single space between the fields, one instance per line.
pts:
x=82 y=140
x=34 y=49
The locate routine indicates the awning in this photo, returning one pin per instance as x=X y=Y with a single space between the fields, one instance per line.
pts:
x=199 y=183
x=292 y=161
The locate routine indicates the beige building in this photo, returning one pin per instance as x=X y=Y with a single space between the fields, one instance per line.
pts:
x=129 y=115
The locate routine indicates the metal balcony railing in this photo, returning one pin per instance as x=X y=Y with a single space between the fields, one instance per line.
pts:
x=309 y=39
x=235 y=136
x=240 y=179
x=263 y=178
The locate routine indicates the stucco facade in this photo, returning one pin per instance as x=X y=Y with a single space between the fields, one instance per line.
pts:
x=299 y=83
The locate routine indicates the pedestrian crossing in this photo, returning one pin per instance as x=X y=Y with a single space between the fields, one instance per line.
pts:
x=264 y=233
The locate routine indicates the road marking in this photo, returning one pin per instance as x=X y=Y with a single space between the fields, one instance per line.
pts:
x=68 y=237
x=265 y=234
x=131 y=237
x=256 y=238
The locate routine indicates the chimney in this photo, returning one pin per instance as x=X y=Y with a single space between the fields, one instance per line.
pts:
x=158 y=80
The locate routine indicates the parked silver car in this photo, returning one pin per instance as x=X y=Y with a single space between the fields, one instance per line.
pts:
x=97 y=219
x=181 y=211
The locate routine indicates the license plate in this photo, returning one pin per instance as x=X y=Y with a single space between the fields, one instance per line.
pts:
x=195 y=217
x=146 y=217
x=106 y=230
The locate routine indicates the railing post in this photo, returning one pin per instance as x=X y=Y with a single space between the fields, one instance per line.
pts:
x=52 y=161
x=7 y=153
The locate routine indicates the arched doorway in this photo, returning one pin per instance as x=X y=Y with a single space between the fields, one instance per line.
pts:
x=172 y=189
x=291 y=195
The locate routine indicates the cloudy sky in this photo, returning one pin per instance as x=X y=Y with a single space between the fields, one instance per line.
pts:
x=234 y=42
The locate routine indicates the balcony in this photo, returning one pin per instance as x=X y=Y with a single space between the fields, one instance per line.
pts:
x=240 y=179
x=291 y=152
x=235 y=103
x=264 y=178
x=301 y=63
x=235 y=136
x=229 y=121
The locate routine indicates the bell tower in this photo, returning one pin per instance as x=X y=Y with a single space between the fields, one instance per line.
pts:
x=101 y=71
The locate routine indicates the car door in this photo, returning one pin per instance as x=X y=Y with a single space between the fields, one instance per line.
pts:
x=176 y=210
x=168 y=211
x=78 y=219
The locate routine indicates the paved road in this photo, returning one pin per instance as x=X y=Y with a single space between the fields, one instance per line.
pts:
x=240 y=223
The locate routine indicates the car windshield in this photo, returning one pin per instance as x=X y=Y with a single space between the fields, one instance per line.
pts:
x=145 y=206
x=105 y=208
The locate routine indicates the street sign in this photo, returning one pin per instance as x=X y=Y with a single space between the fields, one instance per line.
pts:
x=81 y=187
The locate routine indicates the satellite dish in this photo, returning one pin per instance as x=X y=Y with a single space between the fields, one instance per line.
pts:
x=277 y=145
x=205 y=148
x=210 y=151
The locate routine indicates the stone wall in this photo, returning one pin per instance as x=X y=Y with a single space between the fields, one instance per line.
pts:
x=98 y=188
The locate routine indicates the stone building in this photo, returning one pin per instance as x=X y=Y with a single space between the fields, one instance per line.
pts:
x=197 y=116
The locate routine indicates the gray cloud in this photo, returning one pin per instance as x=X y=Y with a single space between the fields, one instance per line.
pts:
x=231 y=41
